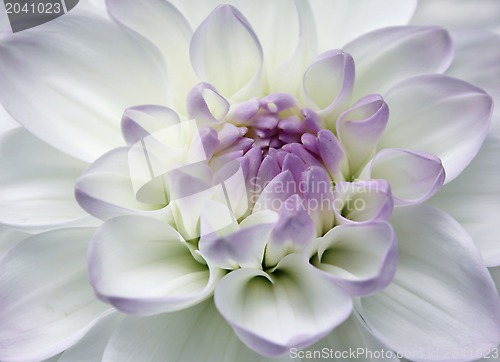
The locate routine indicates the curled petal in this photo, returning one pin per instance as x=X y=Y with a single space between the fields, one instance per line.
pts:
x=359 y=258
x=143 y=266
x=362 y=201
x=332 y=154
x=360 y=128
x=414 y=176
x=440 y=115
x=328 y=82
x=226 y=53
x=300 y=307
x=206 y=106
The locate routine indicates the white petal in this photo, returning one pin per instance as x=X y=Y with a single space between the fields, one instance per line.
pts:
x=352 y=335
x=442 y=304
x=225 y=52
x=478 y=14
x=91 y=347
x=37 y=185
x=143 y=266
x=169 y=31
x=359 y=258
x=69 y=85
x=47 y=302
x=9 y=238
x=473 y=198
x=439 y=115
x=414 y=176
x=386 y=56
x=6 y=121
x=291 y=307
x=195 y=334
x=340 y=21
x=477 y=60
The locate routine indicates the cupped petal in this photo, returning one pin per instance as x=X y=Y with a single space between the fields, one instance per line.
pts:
x=276 y=192
x=143 y=266
x=338 y=21
x=36 y=185
x=163 y=25
x=195 y=334
x=440 y=115
x=387 y=56
x=91 y=347
x=226 y=52
x=294 y=232
x=292 y=307
x=362 y=201
x=328 y=83
x=442 y=304
x=206 y=106
x=414 y=176
x=473 y=198
x=349 y=342
x=332 y=154
x=359 y=129
x=361 y=259
x=47 y=302
x=105 y=189
x=73 y=87
x=476 y=60
x=243 y=247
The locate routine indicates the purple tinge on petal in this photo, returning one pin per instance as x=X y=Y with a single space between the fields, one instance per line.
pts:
x=206 y=106
x=414 y=176
x=362 y=201
x=359 y=258
x=331 y=153
x=210 y=141
x=275 y=192
x=142 y=121
x=316 y=189
x=278 y=102
x=329 y=81
x=359 y=129
x=294 y=164
x=240 y=113
x=228 y=135
x=294 y=231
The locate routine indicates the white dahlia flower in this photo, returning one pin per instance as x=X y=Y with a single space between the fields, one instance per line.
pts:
x=260 y=180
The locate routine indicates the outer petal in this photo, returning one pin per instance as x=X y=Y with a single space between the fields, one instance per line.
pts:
x=439 y=115
x=9 y=238
x=473 y=198
x=143 y=266
x=47 y=303
x=36 y=184
x=6 y=121
x=73 y=87
x=105 y=189
x=91 y=347
x=169 y=31
x=195 y=334
x=359 y=258
x=225 y=52
x=414 y=176
x=292 y=307
x=339 y=21
x=386 y=56
x=442 y=304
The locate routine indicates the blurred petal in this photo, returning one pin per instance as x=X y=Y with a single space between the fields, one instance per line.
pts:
x=414 y=176
x=290 y=307
x=386 y=56
x=73 y=87
x=47 y=302
x=9 y=238
x=206 y=106
x=143 y=266
x=163 y=25
x=37 y=185
x=226 y=53
x=442 y=303
x=340 y=21
x=359 y=258
x=440 y=115
x=473 y=198
x=195 y=334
